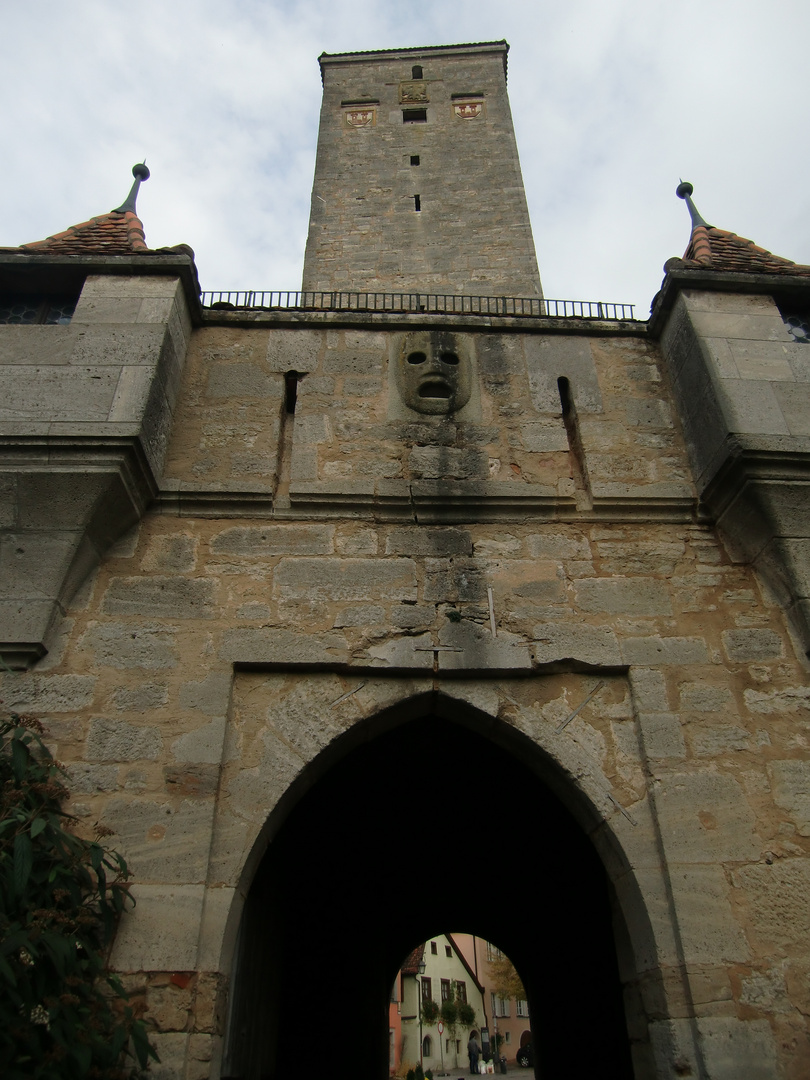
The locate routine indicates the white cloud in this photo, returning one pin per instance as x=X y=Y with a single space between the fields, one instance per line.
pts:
x=612 y=102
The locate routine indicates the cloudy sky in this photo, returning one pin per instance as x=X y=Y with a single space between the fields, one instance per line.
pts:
x=613 y=101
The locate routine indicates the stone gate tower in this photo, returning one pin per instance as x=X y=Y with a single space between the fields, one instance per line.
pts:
x=417 y=179
x=344 y=611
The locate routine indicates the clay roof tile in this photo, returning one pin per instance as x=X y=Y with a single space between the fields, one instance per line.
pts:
x=718 y=249
x=116 y=233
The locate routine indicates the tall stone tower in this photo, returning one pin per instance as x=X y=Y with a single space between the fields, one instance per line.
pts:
x=417 y=179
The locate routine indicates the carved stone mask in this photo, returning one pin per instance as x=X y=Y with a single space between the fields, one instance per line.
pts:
x=434 y=372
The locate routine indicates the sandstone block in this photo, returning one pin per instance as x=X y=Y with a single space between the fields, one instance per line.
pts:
x=361 y=615
x=260 y=541
x=160 y=933
x=652 y=651
x=345 y=579
x=409 y=653
x=449 y=581
x=171 y=554
x=243 y=381
x=203 y=745
x=791 y=699
x=777 y=897
x=790 y=781
x=162 y=843
x=703 y=697
x=294 y=350
x=278 y=646
x=548 y=438
x=443 y=462
x=428 y=541
x=479 y=650
x=710 y=933
x=210 y=696
x=649 y=690
x=122 y=646
x=558 y=546
x=595 y=645
x=733 y=1048
x=714 y=739
x=172 y=1049
x=161 y=597
x=117 y=740
x=706 y=818
x=662 y=735
x=47 y=693
x=85 y=779
x=648 y=413
x=743 y=646
x=412 y=616
x=624 y=596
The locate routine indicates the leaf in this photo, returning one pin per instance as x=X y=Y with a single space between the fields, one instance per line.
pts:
x=140 y=1044
x=23 y=861
x=19 y=759
x=37 y=825
x=6 y=972
x=83 y=1055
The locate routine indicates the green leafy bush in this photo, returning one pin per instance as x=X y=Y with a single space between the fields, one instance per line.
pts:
x=430 y=1011
x=450 y=1013
x=466 y=1014
x=62 y=1015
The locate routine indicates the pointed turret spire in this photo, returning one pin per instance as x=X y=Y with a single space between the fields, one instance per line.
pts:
x=140 y=172
x=711 y=248
x=684 y=191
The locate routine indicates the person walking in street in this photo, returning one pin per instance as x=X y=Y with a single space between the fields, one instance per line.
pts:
x=474 y=1051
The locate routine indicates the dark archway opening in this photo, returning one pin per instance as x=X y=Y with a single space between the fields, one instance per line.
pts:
x=426 y=828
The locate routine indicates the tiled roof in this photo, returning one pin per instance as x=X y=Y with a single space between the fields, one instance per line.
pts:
x=116 y=233
x=716 y=249
x=411 y=964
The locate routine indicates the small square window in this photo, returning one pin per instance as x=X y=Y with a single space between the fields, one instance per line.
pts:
x=414 y=116
x=414 y=159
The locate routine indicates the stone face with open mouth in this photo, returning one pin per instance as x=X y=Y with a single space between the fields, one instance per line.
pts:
x=434 y=372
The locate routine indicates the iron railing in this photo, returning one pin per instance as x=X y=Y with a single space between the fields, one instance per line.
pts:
x=410 y=303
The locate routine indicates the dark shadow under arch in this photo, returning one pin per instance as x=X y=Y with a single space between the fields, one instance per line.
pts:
x=427 y=827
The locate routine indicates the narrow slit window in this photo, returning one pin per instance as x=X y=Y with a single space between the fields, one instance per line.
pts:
x=414 y=159
x=417 y=202
x=290 y=392
x=414 y=116
x=577 y=451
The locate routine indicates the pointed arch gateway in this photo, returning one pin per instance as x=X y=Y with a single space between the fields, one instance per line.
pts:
x=426 y=816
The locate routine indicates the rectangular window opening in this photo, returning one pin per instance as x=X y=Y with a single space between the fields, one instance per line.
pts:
x=414 y=159
x=417 y=202
x=414 y=116
x=32 y=310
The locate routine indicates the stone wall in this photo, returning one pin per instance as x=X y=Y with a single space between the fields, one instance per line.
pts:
x=506 y=560
x=85 y=416
x=742 y=388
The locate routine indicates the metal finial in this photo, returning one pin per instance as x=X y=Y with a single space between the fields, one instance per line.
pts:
x=140 y=172
x=684 y=191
